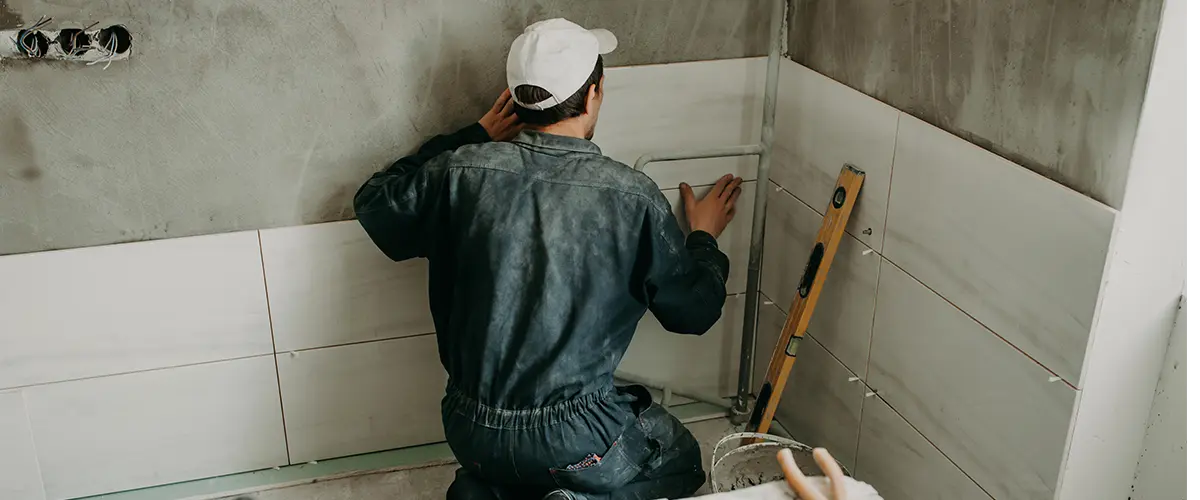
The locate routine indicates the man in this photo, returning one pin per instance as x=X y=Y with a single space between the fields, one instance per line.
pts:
x=543 y=255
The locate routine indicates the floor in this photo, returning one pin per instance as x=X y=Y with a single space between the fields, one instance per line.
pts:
x=429 y=482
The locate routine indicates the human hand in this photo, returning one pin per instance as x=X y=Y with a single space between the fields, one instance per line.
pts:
x=713 y=212
x=501 y=122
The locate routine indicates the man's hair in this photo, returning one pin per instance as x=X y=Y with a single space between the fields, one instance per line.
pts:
x=574 y=106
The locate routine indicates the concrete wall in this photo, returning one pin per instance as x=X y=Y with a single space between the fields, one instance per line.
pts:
x=236 y=114
x=1053 y=85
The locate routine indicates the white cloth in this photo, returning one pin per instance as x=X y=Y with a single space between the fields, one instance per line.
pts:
x=779 y=490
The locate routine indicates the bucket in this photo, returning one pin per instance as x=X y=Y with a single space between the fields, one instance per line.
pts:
x=754 y=464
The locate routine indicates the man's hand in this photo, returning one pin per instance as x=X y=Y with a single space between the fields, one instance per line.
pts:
x=712 y=213
x=501 y=122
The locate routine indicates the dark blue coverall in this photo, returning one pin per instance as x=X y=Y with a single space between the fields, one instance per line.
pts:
x=543 y=255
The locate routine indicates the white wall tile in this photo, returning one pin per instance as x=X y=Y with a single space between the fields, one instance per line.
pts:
x=705 y=365
x=113 y=309
x=681 y=107
x=986 y=405
x=1016 y=251
x=842 y=321
x=902 y=465
x=130 y=431
x=821 y=125
x=765 y=339
x=361 y=398
x=668 y=174
x=820 y=405
x=20 y=478
x=735 y=240
x=329 y=285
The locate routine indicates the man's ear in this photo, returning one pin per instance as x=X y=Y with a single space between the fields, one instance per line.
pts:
x=594 y=97
x=593 y=103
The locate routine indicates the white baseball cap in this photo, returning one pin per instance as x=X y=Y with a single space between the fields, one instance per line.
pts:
x=558 y=56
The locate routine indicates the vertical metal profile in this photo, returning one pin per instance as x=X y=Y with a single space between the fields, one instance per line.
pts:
x=740 y=408
x=754 y=267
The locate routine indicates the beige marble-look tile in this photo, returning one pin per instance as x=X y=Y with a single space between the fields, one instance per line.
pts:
x=842 y=321
x=986 y=405
x=735 y=240
x=114 y=309
x=820 y=405
x=361 y=398
x=705 y=171
x=329 y=285
x=902 y=465
x=705 y=365
x=1016 y=251
x=20 y=478
x=683 y=107
x=143 y=429
x=822 y=125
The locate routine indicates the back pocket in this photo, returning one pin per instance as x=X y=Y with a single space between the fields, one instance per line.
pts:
x=619 y=465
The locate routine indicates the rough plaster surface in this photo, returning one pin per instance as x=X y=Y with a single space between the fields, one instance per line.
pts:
x=236 y=114
x=1054 y=85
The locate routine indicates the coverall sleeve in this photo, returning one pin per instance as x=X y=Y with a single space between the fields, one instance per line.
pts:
x=393 y=204
x=685 y=282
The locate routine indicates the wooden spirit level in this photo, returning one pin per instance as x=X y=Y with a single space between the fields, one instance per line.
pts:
x=849 y=184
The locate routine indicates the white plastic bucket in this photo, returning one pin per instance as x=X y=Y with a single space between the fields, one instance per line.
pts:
x=754 y=464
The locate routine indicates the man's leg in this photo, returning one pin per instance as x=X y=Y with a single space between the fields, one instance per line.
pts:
x=675 y=469
x=467 y=486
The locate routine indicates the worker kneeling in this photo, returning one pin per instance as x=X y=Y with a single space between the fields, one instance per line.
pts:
x=543 y=256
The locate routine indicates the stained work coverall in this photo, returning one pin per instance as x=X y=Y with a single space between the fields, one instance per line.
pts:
x=543 y=256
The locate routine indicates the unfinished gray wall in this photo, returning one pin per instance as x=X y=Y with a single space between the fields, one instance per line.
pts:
x=1054 y=85
x=242 y=114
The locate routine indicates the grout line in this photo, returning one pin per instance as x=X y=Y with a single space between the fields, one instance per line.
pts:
x=696 y=187
x=802 y=202
x=813 y=337
x=133 y=372
x=262 y=261
x=862 y=408
x=37 y=459
x=887 y=204
x=931 y=443
x=862 y=401
x=980 y=323
x=356 y=342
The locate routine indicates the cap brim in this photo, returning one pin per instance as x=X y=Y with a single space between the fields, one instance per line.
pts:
x=608 y=41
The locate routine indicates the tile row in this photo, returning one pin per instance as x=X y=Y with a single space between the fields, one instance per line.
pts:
x=987 y=408
x=113 y=433
x=963 y=386
x=153 y=427
x=1018 y=252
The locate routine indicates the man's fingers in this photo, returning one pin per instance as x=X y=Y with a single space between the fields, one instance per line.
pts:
x=734 y=185
x=731 y=201
x=507 y=109
x=719 y=189
x=504 y=99
x=689 y=198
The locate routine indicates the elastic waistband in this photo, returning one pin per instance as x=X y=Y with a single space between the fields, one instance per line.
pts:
x=500 y=418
